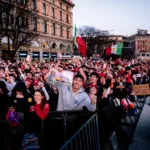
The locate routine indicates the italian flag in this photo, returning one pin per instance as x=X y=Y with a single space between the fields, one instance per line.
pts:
x=115 y=49
x=75 y=35
x=79 y=42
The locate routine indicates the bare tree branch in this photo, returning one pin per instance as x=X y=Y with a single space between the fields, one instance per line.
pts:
x=91 y=31
x=17 y=22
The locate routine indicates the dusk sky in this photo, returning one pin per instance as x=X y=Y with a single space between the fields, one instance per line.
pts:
x=122 y=16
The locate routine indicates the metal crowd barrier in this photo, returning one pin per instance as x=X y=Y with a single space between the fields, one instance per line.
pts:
x=60 y=126
x=3 y=138
x=86 y=138
x=126 y=125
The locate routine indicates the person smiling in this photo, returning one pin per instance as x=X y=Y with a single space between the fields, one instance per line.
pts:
x=41 y=107
x=73 y=97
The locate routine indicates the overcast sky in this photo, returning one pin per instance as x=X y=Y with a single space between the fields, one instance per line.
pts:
x=122 y=16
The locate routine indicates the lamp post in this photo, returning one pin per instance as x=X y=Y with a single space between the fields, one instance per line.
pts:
x=95 y=49
x=0 y=46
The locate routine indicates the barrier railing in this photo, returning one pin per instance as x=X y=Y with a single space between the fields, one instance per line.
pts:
x=86 y=138
x=125 y=127
x=66 y=123
x=3 y=140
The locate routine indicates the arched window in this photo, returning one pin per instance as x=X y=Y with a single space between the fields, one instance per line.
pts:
x=61 y=46
x=69 y=47
x=54 y=45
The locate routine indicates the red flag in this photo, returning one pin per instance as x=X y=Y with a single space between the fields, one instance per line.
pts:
x=108 y=51
x=81 y=46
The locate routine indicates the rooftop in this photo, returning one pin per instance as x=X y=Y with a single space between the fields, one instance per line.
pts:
x=140 y=33
x=69 y=2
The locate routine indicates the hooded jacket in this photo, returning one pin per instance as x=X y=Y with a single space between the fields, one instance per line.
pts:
x=21 y=104
x=69 y=100
x=4 y=100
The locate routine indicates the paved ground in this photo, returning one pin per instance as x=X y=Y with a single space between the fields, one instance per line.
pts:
x=141 y=138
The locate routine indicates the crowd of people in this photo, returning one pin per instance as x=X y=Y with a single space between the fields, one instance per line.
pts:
x=29 y=90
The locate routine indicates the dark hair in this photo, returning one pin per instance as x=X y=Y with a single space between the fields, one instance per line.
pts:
x=12 y=76
x=43 y=102
x=37 y=72
x=3 y=86
x=97 y=76
x=92 y=69
x=30 y=73
x=94 y=74
x=78 y=76
x=61 y=66
x=21 y=87
x=44 y=68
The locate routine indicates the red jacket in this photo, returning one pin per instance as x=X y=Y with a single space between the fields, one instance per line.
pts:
x=42 y=114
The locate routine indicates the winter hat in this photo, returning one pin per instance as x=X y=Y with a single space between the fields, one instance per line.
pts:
x=22 y=67
x=36 y=82
x=92 y=85
x=102 y=75
x=20 y=87
x=29 y=80
x=75 y=69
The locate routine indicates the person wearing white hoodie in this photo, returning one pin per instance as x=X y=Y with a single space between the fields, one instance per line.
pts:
x=73 y=97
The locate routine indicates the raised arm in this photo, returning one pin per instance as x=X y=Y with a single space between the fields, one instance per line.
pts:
x=78 y=63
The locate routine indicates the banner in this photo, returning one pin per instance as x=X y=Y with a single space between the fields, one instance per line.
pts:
x=142 y=89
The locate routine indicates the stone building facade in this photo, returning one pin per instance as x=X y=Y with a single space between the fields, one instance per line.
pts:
x=141 y=43
x=54 y=25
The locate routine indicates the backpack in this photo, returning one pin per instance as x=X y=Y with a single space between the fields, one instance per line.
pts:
x=29 y=142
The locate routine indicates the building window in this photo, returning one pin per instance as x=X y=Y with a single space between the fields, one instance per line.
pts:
x=21 y=21
x=34 y=4
x=67 y=18
x=53 y=29
x=61 y=46
x=60 y=5
x=67 y=8
x=53 y=12
x=22 y=1
x=67 y=33
x=45 y=26
x=69 y=47
x=53 y=2
x=34 y=24
x=60 y=15
x=44 y=8
x=61 y=31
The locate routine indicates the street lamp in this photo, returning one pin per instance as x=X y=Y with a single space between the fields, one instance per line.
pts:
x=95 y=49
x=0 y=45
